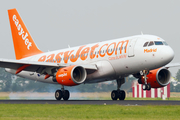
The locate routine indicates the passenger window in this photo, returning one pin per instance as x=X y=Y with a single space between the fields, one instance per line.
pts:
x=158 y=43
x=151 y=43
x=145 y=44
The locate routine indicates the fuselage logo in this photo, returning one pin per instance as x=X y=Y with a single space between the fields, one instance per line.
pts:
x=62 y=75
x=112 y=49
x=21 y=32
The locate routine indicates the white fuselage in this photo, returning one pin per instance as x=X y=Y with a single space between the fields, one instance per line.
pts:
x=114 y=58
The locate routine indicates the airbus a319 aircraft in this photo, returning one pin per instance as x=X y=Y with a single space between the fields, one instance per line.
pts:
x=143 y=56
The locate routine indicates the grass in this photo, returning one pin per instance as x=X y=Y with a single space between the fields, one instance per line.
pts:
x=87 y=112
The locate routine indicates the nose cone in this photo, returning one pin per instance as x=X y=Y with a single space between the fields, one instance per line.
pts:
x=168 y=55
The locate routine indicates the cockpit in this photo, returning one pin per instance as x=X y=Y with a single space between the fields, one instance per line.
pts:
x=151 y=43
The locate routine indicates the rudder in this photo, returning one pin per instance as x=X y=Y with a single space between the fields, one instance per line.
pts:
x=24 y=45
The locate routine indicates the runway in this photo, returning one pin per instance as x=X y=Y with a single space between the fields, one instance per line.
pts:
x=93 y=102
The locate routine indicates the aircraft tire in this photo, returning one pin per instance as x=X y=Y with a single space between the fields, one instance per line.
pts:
x=66 y=95
x=144 y=86
x=114 y=95
x=58 y=94
x=122 y=95
x=148 y=87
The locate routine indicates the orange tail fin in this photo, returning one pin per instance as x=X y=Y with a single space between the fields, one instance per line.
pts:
x=24 y=45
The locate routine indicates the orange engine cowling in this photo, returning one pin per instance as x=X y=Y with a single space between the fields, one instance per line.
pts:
x=71 y=75
x=158 y=78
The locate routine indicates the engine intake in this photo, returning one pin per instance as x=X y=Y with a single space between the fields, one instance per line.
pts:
x=163 y=77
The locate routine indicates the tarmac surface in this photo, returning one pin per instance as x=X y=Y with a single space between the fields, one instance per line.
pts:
x=93 y=102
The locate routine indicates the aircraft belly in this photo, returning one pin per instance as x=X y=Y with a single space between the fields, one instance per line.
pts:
x=105 y=72
x=125 y=67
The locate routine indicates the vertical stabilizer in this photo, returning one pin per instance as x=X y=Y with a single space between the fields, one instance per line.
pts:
x=24 y=45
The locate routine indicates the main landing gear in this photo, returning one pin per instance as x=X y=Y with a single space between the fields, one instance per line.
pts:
x=145 y=86
x=118 y=94
x=59 y=94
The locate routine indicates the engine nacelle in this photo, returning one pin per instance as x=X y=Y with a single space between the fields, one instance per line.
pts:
x=157 y=78
x=71 y=75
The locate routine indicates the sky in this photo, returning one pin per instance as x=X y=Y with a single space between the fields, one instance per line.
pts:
x=55 y=24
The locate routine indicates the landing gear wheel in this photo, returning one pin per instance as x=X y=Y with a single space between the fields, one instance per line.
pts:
x=114 y=95
x=58 y=94
x=122 y=95
x=146 y=87
x=66 y=95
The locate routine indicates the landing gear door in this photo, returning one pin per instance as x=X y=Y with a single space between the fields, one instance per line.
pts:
x=131 y=47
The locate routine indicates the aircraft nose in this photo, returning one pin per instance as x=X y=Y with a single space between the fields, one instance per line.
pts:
x=168 y=55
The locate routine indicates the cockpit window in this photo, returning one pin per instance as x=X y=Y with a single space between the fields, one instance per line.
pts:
x=145 y=44
x=151 y=43
x=165 y=43
x=154 y=43
x=158 y=43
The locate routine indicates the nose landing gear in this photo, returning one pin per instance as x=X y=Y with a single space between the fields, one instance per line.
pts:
x=145 y=86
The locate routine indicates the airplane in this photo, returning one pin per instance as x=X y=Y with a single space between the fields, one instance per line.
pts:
x=143 y=56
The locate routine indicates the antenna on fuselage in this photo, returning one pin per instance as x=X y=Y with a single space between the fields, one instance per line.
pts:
x=69 y=46
x=142 y=33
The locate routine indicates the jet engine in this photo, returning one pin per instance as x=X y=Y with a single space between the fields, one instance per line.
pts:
x=157 y=78
x=71 y=75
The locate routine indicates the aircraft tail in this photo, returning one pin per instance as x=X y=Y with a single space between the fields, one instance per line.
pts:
x=24 y=45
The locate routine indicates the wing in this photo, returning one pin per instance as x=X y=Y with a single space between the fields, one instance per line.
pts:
x=172 y=65
x=39 y=67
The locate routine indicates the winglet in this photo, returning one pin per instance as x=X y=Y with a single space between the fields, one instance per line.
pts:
x=24 y=45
